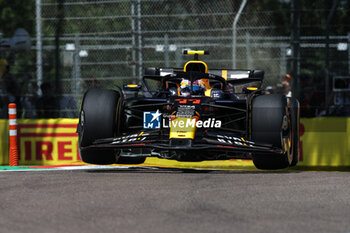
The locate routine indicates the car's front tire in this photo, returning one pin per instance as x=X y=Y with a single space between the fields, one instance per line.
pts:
x=98 y=119
x=270 y=124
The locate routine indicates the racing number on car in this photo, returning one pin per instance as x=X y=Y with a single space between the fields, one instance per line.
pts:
x=185 y=101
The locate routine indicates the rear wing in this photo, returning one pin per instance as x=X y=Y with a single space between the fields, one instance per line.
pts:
x=235 y=77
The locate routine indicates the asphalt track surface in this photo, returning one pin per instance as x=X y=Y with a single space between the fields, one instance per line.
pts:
x=174 y=200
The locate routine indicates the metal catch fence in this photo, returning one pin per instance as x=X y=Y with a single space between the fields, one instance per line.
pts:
x=104 y=43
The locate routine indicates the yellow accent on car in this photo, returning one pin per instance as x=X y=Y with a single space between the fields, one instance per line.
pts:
x=243 y=141
x=224 y=74
x=208 y=92
x=197 y=62
x=252 y=88
x=183 y=127
x=193 y=52
x=132 y=85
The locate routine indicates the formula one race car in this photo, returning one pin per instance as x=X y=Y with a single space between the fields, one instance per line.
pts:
x=190 y=114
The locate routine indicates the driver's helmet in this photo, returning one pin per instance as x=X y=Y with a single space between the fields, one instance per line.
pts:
x=198 y=87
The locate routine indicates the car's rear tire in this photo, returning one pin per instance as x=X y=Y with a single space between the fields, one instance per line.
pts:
x=269 y=119
x=295 y=115
x=98 y=119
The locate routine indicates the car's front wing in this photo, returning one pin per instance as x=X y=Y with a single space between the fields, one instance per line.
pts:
x=157 y=140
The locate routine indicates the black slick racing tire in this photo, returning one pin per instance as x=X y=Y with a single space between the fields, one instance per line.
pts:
x=295 y=115
x=98 y=119
x=268 y=120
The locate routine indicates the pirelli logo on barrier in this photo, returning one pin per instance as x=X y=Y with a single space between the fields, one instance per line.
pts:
x=49 y=143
